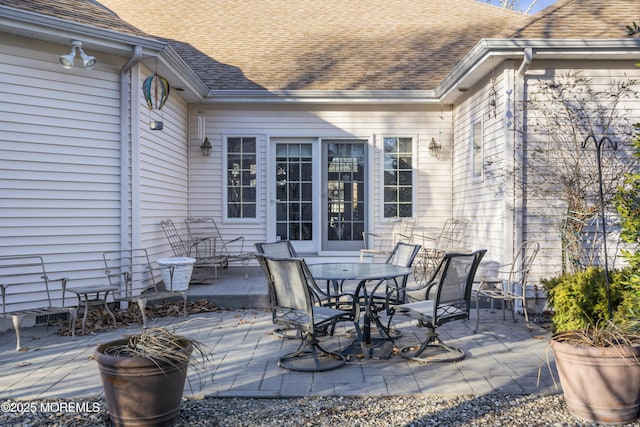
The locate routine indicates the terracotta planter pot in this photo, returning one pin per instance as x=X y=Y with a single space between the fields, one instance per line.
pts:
x=137 y=391
x=600 y=384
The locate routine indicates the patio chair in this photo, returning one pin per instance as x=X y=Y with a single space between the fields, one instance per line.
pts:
x=280 y=249
x=383 y=244
x=446 y=298
x=131 y=272
x=450 y=238
x=513 y=289
x=295 y=304
x=206 y=231
x=393 y=293
x=202 y=250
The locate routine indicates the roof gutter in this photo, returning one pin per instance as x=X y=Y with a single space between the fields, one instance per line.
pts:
x=476 y=64
x=124 y=146
x=362 y=97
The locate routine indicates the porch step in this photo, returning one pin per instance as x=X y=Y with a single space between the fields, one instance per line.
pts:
x=232 y=290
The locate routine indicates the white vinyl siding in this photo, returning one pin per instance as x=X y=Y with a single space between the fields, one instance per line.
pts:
x=432 y=176
x=602 y=74
x=483 y=202
x=59 y=163
x=160 y=171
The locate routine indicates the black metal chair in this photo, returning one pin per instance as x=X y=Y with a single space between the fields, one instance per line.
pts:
x=445 y=298
x=403 y=254
x=295 y=304
x=280 y=249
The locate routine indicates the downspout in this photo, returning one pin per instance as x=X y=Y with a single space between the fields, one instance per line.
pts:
x=520 y=98
x=124 y=146
x=518 y=156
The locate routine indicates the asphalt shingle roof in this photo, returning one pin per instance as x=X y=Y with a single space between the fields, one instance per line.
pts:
x=321 y=44
x=332 y=44
x=582 y=19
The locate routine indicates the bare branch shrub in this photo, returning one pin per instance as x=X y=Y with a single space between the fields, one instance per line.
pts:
x=560 y=176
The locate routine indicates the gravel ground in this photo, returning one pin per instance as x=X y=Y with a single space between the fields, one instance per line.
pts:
x=451 y=411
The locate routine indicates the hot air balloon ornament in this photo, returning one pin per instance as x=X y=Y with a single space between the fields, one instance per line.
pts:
x=156 y=92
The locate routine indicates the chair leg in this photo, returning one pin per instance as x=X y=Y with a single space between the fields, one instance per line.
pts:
x=526 y=315
x=311 y=357
x=435 y=351
x=477 y=313
x=17 y=322
x=142 y=303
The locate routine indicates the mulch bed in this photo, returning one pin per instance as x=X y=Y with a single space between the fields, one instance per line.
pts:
x=97 y=322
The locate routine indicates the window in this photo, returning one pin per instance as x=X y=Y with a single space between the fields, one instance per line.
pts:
x=241 y=177
x=398 y=177
x=477 y=154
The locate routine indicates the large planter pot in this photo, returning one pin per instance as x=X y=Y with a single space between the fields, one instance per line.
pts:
x=599 y=384
x=139 y=391
x=176 y=272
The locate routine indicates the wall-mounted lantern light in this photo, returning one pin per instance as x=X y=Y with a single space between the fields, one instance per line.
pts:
x=88 y=61
x=434 y=148
x=206 y=147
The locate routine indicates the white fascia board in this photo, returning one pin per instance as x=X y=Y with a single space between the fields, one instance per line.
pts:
x=372 y=97
x=173 y=66
x=481 y=58
x=55 y=30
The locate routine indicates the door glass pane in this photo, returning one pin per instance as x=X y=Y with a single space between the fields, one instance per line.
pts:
x=345 y=195
x=294 y=192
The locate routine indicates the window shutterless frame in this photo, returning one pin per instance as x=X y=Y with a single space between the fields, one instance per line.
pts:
x=240 y=177
x=477 y=151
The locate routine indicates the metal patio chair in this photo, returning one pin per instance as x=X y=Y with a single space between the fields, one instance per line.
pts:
x=446 y=298
x=383 y=244
x=132 y=273
x=295 y=304
x=380 y=299
x=280 y=249
x=204 y=232
x=513 y=289
x=450 y=238
x=202 y=250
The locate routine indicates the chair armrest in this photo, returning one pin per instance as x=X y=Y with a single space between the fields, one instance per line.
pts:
x=366 y=234
x=404 y=237
x=239 y=238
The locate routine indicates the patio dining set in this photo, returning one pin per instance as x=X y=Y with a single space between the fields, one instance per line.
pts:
x=309 y=300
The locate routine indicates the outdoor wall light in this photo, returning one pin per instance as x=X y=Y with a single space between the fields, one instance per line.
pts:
x=88 y=61
x=206 y=147
x=434 y=148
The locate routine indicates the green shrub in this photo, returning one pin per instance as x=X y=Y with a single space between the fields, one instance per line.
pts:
x=580 y=299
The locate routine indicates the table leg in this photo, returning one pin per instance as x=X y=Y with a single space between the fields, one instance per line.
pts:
x=106 y=306
x=86 y=311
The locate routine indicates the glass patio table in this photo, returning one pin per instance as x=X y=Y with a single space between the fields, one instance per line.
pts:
x=336 y=273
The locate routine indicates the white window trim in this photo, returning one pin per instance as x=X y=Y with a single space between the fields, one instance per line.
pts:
x=480 y=176
x=225 y=183
x=414 y=159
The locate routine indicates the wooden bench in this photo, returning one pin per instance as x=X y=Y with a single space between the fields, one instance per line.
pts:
x=27 y=292
x=131 y=271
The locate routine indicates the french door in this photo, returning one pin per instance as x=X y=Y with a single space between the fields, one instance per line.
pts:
x=343 y=196
x=318 y=205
